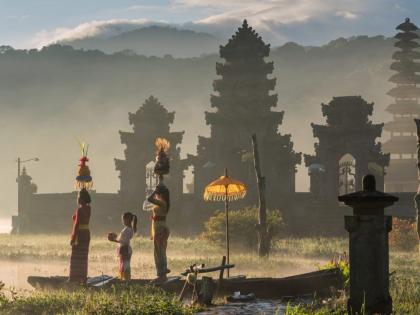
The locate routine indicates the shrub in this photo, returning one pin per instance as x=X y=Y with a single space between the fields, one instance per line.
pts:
x=403 y=235
x=242 y=227
x=341 y=262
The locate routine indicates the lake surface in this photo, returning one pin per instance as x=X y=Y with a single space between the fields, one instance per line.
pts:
x=5 y=224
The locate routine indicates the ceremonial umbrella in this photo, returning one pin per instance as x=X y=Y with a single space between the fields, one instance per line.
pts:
x=225 y=189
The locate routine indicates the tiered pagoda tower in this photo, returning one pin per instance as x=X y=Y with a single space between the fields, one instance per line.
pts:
x=151 y=121
x=347 y=148
x=402 y=173
x=243 y=104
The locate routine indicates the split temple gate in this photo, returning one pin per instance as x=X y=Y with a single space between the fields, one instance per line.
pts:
x=152 y=120
x=347 y=149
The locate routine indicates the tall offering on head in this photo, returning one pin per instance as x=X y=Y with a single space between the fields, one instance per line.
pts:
x=162 y=158
x=83 y=178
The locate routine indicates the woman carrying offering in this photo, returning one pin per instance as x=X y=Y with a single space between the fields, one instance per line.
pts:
x=160 y=230
x=80 y=239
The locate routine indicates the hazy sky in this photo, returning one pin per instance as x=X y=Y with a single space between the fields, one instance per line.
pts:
x=33 y=23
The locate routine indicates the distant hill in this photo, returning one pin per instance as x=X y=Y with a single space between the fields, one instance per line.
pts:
x=152 y=41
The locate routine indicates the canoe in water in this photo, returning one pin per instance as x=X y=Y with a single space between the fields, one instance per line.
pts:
x=307 y=284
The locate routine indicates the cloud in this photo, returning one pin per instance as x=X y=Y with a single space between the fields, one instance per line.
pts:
x=104 y=29
x=308 y=22
x=347 y=15
x=282 y=11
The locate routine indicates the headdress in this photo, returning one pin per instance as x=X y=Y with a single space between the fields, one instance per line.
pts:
x=83 y=178
x=162 y=158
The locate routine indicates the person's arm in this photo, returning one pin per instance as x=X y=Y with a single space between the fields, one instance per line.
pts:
x=151 y=198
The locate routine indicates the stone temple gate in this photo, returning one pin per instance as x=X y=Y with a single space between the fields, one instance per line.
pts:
x=347 y=148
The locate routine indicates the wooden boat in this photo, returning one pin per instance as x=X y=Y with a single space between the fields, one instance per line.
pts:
x=319 y=283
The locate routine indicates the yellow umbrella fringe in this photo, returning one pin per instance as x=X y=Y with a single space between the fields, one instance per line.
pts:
x=208 y=196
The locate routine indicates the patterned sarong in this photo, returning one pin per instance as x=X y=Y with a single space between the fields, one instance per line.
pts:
x=124 y=254
x=79 y=257
x=160 y=242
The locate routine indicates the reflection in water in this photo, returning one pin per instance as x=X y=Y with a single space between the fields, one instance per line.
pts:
x=15 y=273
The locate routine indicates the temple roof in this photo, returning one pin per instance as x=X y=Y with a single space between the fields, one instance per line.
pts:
x=404 y=108
x=254 y=68
x=406 y=65
x=341 y=131
x=410 y=54
x=401 y=125
x=401 y=144
x=407 y=26
x=405 y=78
x=151 y=112
x=406 y=44
x=245 y=43
x=405 y=91
x=263 y=85
x=228 y=119
x=265 y=101
x=406 y=36
x=347 y=110
x=151 y=121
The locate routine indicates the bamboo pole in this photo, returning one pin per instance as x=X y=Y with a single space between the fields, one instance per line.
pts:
x=417 y=197
x=263 y=234
x=227 y=221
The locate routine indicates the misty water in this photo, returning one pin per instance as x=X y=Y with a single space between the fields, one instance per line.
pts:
x=5 y=225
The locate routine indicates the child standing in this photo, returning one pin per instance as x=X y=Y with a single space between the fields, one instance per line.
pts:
x=124 y=249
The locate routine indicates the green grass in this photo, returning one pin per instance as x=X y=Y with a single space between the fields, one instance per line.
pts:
x=404 y=289
x=118 y=300
x=289 y=256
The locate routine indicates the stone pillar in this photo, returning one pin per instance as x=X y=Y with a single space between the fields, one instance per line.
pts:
x=368 y=229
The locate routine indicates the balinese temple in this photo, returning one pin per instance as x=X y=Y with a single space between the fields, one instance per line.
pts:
x=402 y=172
x=347 y=149
x=242 y=105
x=151 y=121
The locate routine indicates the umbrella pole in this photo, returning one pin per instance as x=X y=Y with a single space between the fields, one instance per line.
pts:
x=227 y=227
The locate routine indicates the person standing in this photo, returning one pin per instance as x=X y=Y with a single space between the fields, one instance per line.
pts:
x=160 y=230
x=124 y=249
x=80 y=239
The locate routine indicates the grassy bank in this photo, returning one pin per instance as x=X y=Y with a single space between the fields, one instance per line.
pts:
x=289 y=256
x=404 y=289
x=117 y=301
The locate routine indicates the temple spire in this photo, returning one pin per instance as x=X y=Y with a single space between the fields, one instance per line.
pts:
x=242 y=104
x=406 y=93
